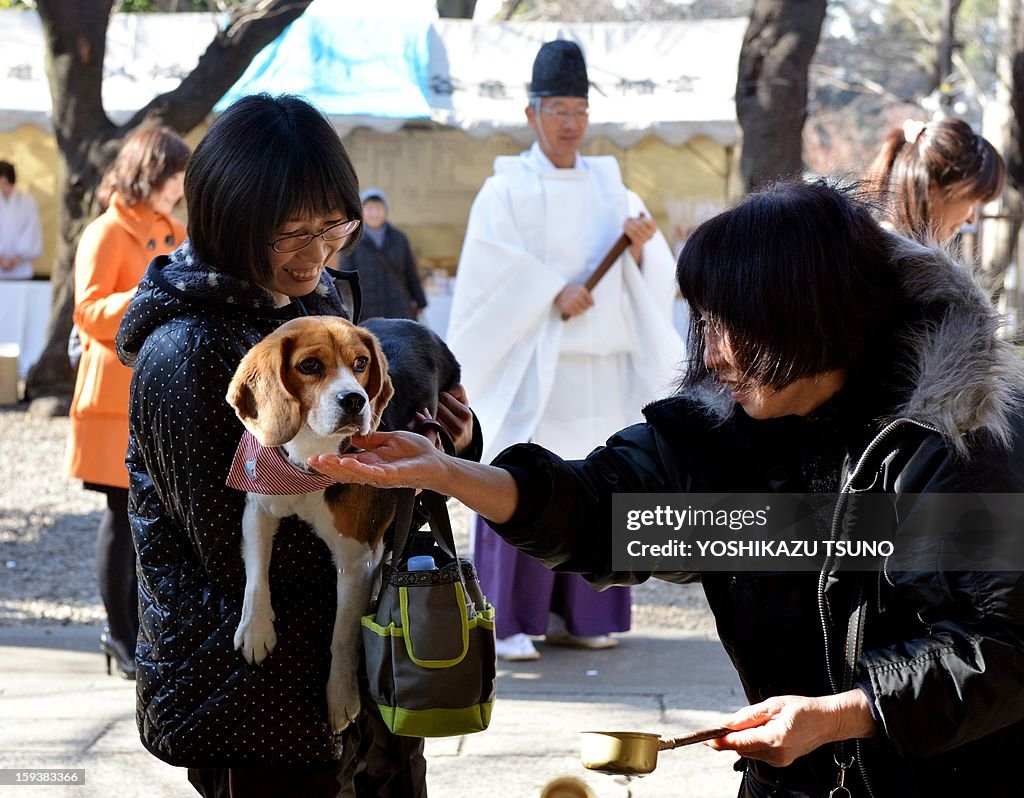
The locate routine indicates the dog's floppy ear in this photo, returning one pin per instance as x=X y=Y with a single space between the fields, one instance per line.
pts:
x=378 y=383
x=260 y=396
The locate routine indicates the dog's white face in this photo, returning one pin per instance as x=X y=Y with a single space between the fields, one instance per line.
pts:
x=337 y=401
x=317 y=372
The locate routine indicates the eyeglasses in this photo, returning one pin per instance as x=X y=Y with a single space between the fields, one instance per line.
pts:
x=710 y=328
x=336 y=232
x=579 y=115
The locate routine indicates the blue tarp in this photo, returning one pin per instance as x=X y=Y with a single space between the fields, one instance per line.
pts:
x=346 y=67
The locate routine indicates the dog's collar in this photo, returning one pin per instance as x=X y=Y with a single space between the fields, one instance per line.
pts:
x=268 y=471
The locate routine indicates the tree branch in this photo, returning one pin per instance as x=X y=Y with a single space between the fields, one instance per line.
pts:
x=964 y=69
x=827 y=75
x=922 y=27
x=219 y=68
x=245 y=16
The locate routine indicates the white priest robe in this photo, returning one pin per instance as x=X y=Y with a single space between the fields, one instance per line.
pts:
x=20 y=234
x=532 y=229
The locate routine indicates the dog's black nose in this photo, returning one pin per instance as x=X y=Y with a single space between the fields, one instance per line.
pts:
x=352 y=402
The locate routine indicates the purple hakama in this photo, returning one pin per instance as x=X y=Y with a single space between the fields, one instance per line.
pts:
x=523 y=592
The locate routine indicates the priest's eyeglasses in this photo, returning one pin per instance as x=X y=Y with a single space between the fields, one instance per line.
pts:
x=335 y=232
x=565 y=115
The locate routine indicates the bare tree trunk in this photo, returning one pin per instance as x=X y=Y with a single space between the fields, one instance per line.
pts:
x=456 y=9
x=1012 y=17
x=75 y=46
x=1015 y=141
x=75 y=35
x=947 y=44
x=771 y=92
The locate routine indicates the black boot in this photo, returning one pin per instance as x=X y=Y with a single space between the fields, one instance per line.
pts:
x=114 y=650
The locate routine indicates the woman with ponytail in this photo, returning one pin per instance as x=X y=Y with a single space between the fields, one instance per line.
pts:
x=932 y=176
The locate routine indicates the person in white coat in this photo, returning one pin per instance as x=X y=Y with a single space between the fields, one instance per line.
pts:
x=544 y=358
x=21 y=238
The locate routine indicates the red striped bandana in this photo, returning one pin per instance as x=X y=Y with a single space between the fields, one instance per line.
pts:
x=267 y=471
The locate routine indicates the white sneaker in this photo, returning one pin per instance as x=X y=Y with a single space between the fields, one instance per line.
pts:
x=593 y=642
x=517 y=648
x=558 y=635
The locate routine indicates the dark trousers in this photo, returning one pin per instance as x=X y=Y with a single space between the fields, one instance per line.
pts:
x=266 y=782
x=375 y=764
x=115 y=570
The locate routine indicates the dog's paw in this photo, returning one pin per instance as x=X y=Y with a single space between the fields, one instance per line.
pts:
x=255 y=636
x=342 y=698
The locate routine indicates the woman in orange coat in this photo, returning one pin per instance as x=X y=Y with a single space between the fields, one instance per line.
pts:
x=139 y=193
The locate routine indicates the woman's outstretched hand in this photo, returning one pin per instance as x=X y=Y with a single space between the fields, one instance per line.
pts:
x=409 y=460
x=388 y=460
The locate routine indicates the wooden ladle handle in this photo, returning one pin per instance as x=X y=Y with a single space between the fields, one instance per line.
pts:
x=621 y=245
x=664 y=744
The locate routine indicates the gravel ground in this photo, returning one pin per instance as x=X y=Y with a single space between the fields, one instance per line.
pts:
x=48 y=526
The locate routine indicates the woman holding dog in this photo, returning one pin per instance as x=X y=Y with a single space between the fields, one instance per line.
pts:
x=830 y=357
x=273 y=199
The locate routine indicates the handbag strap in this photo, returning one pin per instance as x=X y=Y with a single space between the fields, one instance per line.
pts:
x=393 y=273
x=446 y=440
x=437 y=516
x=440 y=522
x=350 y=291
x=433 y=504
x=403 y=522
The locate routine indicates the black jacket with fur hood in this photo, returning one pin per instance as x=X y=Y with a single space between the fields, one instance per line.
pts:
x=942 y=659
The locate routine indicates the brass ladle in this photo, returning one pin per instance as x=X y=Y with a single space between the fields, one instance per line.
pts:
x=633 y=753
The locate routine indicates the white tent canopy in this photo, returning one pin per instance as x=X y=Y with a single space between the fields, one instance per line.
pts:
x=147 y=55
x=672 y=80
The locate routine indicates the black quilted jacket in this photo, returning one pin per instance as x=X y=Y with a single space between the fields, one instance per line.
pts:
x=199 y=703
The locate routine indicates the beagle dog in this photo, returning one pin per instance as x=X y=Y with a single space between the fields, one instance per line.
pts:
x=304 y=390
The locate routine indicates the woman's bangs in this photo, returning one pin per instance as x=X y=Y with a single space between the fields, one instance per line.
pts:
x=988 y=183
x=315 y=190
x=706 y=271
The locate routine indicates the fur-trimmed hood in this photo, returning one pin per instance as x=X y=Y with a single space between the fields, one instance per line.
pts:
x=965 y=378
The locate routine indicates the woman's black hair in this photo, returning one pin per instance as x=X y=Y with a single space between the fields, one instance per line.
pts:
x=797 y=275
x=266 y=159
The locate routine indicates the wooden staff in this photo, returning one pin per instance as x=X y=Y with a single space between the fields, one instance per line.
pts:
x=620 y=246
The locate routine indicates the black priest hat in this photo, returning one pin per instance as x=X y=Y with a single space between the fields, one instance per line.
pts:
x=559 y=71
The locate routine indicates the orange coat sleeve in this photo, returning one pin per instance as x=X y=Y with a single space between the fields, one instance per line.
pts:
x=102 y=289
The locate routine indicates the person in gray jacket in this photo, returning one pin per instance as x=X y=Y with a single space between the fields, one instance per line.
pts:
x=829 y=357
x=388 y=278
